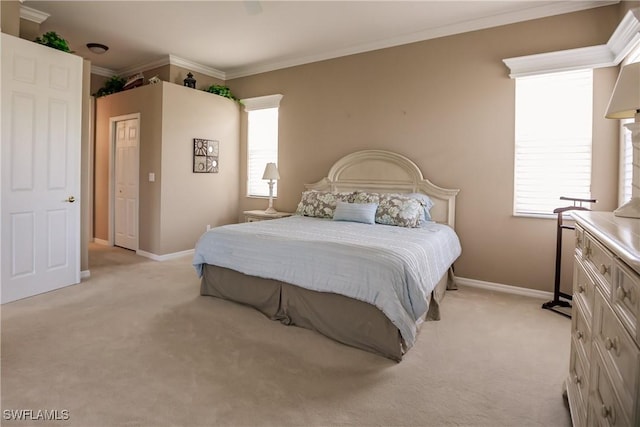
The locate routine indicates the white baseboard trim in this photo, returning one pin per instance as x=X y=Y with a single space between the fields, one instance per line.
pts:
x=101 y=242
x=165 y=257
x=533 y=293
x=85 y=274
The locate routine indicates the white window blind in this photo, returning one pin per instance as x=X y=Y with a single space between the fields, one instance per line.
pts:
x=553 y=140
x=627 y=162
x=262 y=142
x=626 y=147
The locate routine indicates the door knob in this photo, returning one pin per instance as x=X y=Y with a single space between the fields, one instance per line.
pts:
x=71 y=199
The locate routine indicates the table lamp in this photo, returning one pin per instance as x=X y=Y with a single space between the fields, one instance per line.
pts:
x=271 y=173
x=625 y=104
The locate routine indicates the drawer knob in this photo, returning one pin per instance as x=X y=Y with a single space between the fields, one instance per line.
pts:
x=604 y=269
x=578 y=379
x=580 y=289
x=607 y=412
x=611 y=344
x=579 y=335
x=622 y=293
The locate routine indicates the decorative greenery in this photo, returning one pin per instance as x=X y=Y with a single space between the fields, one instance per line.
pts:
x=52 y=39
x=221 y=90
x=112 y=85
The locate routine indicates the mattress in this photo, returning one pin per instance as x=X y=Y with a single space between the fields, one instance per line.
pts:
x=394 y=269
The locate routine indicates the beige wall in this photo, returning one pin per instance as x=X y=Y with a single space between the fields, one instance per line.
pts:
x=146 y=100
x=175 y=209
x=191 y=201
x=448 y=104
x=10 y=17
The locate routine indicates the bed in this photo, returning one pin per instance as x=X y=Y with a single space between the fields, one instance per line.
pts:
x=370 y=286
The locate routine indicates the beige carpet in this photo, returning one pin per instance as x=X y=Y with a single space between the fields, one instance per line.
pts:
x=135 y=345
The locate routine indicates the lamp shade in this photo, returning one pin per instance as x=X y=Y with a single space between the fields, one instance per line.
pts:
x=625 y=100
x=271 y=172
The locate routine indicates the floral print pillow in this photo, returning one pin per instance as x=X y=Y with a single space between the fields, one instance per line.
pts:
x=321 y=204
x=394 y=209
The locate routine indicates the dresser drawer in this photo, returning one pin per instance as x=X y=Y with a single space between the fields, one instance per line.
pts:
x=600 y=261
x=619 y=353
x=579 y=241
x=577 y=386
x=581 y=329
x=604 y=406
x=583 y=286
x=625 y=299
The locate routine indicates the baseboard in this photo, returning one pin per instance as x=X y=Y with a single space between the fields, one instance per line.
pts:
x=533 y=293
x=101 y=242
x=165 y=257
x=85 y=274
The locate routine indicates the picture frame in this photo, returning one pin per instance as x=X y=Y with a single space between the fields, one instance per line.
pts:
x=206 y=154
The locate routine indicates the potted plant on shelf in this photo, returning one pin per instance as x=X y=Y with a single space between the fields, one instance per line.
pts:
x=111 y=85
x=52 y=39
x=221 y=90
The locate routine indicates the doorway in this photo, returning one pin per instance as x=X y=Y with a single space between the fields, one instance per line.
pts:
x=124 y=182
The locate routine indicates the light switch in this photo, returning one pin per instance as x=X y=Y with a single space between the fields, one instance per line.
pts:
x=152 y=177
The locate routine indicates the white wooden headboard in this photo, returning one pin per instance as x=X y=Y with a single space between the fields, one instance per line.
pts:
x=387 y=172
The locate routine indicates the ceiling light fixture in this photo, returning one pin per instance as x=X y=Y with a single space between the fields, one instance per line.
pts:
x=97 y=48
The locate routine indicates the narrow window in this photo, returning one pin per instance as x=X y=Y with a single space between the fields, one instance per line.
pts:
x=262 y=142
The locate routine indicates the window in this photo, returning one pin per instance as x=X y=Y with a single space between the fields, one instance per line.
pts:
x=553 y=140
x=262 y=142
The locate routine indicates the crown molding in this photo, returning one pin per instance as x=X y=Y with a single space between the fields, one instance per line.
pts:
x=174 y=60
x=626 y=35
x=144 y=67
x=467 y=26
x=194 y=66
x=33 y=15
x=623 y=39
x=104 y=72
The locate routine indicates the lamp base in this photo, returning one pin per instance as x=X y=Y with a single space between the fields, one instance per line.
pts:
x=631 y=209
x=270 y=210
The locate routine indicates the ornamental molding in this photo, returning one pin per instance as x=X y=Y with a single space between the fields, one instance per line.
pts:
x=624 y=38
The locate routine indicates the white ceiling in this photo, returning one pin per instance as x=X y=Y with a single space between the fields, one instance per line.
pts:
x=240 y=38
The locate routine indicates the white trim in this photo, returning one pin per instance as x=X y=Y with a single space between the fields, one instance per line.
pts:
x=104 y=72
x=165 y=257
x=623 y=39
x=194 y=66
x=535 y=12
x=516 y=290
x=85 y=274
x=33 y=15
x=261 y=102
x=101 y=242
x=174 y=60
x=626 y=35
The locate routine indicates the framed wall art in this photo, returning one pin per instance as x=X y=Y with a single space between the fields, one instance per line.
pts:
x=205 y=155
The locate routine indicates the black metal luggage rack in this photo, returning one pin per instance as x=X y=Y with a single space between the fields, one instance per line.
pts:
x=556 y=304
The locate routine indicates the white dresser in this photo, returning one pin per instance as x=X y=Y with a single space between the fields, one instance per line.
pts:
x=604 y=370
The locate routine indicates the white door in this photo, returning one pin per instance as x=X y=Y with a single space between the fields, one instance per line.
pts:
x=126 y=184
x=41 y=123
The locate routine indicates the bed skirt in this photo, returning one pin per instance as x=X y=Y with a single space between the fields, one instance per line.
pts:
x=346 y=320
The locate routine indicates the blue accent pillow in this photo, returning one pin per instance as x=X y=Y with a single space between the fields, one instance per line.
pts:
x=356 y=212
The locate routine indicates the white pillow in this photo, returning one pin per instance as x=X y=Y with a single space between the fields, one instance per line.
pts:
x=356 y=212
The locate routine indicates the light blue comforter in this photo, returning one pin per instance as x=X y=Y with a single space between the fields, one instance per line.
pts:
x=393 y=268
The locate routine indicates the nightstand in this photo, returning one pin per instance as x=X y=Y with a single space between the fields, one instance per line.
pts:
x=252 y=216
